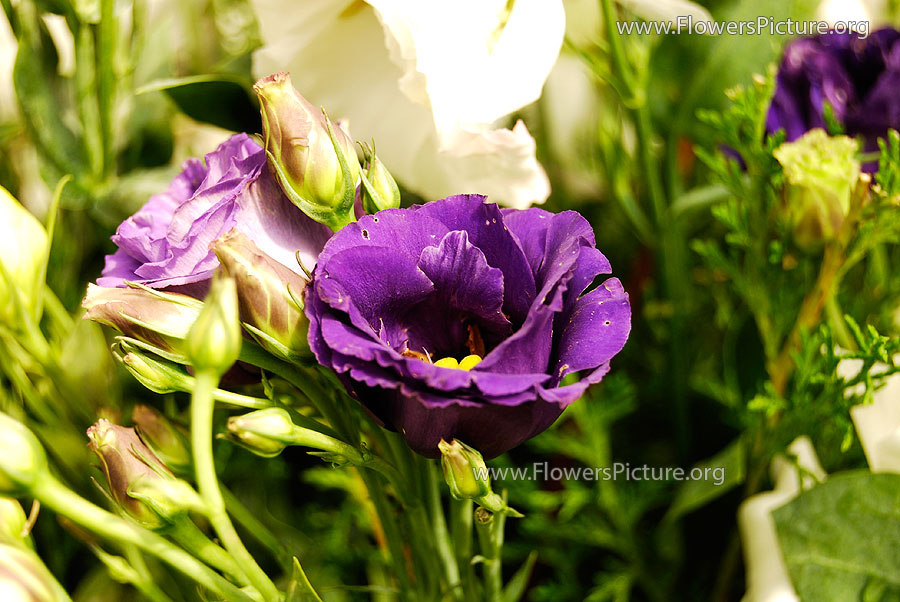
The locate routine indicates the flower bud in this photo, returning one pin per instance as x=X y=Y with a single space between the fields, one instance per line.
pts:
x=23 y=254
x=22 y=458
x=379 y=190
x=12 y=521
x=464 y=470
x=821 y=173
x=264 y=432
x=214 y=341
x=267 y=294
x=163 y=437
x=159 y=319
x=129 y=464
x=157 y=374
x=313 y=160
x=24 y=578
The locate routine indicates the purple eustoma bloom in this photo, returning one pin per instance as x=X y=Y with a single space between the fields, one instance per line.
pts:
x=858 y=77
x=167 y=242
x=401 y=289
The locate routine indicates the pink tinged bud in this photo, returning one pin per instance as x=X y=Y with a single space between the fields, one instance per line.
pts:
x=127 y=462
x=268 y=296
x=214 y=341
x=379 y=189
x=312 y=158
x=153 y=317
x=24 y=578
x=164 y=437
x=22 y=458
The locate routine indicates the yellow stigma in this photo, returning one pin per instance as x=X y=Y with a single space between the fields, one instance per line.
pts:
x=467 y=363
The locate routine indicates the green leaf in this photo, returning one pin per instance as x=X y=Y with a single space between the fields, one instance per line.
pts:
x=300 y=589
x=841 y=539
x=223 y=100
x=697 y=493
x=515 y=589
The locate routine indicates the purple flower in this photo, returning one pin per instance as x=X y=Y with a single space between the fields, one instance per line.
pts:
x=166 y=243
x=401 y=294
x=859 y=78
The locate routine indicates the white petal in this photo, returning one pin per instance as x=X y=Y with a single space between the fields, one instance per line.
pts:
x=341 y=61
x=666 y=10
x=877 y=425
x=767 y=575
x=477 y=61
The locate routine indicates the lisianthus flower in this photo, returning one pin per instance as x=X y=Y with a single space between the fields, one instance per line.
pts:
x=857 y=77
x=455 y=319
x=767 y=575
x=428 y=80
x=167 y=242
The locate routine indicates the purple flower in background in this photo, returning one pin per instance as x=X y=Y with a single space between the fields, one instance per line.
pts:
x=455 y=319
x=859 y=78
x=166 y=243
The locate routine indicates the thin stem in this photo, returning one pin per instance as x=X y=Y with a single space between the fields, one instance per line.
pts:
x=490 y=538
x=461 y=514
x=189 y=537
x=202 y=406
x=57 y=497
x=392 y=536
x=145 y=583
x=439 y=528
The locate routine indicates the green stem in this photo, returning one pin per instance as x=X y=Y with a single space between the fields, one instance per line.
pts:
x=202 y=406
x=439 y=528
x=242 y=401
x=392 y=536
x=189 y=537
x=56 y=496
x=490 y=538
x=145 y=583
x=461 y=515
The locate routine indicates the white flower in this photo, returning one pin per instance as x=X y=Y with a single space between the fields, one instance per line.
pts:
x=767 y=576
x=428 y=80
x=667 y=10
x=878 y=423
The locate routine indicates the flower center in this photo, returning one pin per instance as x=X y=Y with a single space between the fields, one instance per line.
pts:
x=466 y=363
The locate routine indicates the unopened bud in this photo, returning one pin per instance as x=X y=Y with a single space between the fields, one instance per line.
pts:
x=22 y=458
x=464 y=470
x=23 y=254
x=12 y=521
x=268 y=295
x=159 y=319
x=157 y=374
x=312 y=158
x=264 y=432
x=214 y=341
x=129 y=465
x=379 y=189
x=24 y=578
x=821 y=173
x=163 y=437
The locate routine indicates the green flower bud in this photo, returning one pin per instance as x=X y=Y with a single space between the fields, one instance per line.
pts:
x=464 y=470
x=12 y=521
x=379 y=190
x=264 y=432
x=23 y=254
x=313 y=160
x=214 y=341
x=157 y=374
x=821 y=173
x=166 y=440
x=159 y=319
x=22 y=458
x=267 y=296
x=24 y=578
x=129 y=466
